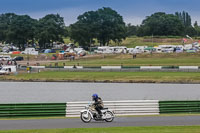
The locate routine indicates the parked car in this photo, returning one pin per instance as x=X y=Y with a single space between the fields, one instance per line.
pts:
x=5 y=57
x=18 y=58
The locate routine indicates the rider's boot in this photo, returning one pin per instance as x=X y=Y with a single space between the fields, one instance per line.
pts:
x=102 y=116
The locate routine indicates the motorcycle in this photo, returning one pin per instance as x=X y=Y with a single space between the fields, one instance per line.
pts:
x=90 y=113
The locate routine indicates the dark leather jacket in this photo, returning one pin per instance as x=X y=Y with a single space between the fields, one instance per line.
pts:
x=98 y=102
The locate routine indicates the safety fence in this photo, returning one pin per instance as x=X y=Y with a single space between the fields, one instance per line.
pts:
x=32 y=109
x=120 y=108
x=179 y=106
x=122 y=67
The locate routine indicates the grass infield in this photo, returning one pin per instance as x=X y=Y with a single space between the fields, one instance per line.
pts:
x=137 y=77
x=163 y=129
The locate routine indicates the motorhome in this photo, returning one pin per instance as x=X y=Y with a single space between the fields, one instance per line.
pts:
x=166 y=48
x=104 y=50
x=188 y=47
x=179 y=49
x=140 y=49
x=134 y=51
x=119 y=50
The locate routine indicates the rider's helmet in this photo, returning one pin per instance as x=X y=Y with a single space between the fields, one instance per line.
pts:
x=94 y=97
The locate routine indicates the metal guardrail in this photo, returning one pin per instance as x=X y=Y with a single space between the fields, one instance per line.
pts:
x=120 y=108
x=124 y=67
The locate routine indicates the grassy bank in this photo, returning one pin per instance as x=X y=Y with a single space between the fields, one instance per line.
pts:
x=165 y=129
x=133 y=41
x=149 y=41
x=182 y=59
x=139 y=77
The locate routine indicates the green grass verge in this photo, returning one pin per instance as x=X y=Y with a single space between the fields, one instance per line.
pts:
x=146 y=77
x=162 y=129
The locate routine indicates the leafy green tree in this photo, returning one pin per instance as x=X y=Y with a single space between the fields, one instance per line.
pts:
x=111 y=26
x=104 y=25
x=187 y=22
x=197 y=28
x=22 y=30
x=85 y=29
x=161 y=24
x=17 y=29
x=51 y=28
x=5 y=22
x=131 y=30
x=185 y=18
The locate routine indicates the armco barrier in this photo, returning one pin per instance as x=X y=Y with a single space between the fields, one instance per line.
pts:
x=196 y=68
x=189 y=67
x=179 y=106
x=130 y=67
x=73 y=67
x=150 y=67
x=32 y=109
x=170 y=67
x=111 y=67
x=38 y=67
x=120 y=108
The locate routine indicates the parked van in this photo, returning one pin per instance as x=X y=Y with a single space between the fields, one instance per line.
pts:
x=8 y=70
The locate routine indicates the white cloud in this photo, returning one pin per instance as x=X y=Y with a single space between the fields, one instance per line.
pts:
x=134 y=20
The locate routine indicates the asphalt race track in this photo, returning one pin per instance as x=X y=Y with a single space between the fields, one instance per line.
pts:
x=118 y=122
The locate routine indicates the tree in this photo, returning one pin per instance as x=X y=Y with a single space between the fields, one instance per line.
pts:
x=185 y=18
x=111 y=26
x=187 y=22
x=5 y=21
x=131 y=30
x=104 y=25
x=197 y=28
x=161 y=24
x=85 y=29
x=51 y=28
x=17 y=29
x=22 y=30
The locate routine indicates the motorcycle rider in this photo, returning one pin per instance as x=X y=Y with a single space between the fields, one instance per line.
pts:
x=98 y=104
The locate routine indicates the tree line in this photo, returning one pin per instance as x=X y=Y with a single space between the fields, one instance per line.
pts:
x=103 y=26
x=22 y=30
x=162 y=24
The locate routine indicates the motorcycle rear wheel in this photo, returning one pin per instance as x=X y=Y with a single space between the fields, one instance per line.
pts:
x=111 y=116
x=86 y=119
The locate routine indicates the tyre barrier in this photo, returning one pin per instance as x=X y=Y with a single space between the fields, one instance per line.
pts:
x=179 y=107
x=120 y=108
x=32 y=109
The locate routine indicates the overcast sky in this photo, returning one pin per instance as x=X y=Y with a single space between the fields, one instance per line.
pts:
x=133 y=11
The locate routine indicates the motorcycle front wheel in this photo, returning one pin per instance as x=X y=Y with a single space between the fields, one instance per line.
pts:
x=86 y=117
x=109 y=116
